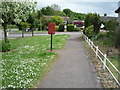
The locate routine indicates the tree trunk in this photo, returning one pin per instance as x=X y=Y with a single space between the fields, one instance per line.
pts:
x=5 y=32
x=32 y=32
x=22 y=33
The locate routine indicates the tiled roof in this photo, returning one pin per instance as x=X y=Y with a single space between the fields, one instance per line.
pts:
x=105 y=18
x=118 y=10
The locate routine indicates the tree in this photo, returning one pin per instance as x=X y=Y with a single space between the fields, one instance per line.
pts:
x=44 y=23
x=41 y=21
x=31 y=20
x=59 y=13
x=56 y=19
x=56 y=7
x=80 y=16
x=68 y=12
x=24 y=26
x=53 y=10
x=13 y=11
x=74 y=15
x=47 y=11
x=95 y=20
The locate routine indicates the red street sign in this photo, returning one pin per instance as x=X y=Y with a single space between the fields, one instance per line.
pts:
x=51 y=28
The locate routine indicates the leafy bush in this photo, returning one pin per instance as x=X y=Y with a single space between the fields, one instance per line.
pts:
x=89 y=31
x=70 y=27
x=56 y=19
x=95 y=20
x=61 y=28
x=12 y=26
x=104 y=39
x=5 y=46
x=99 y=37
x=111 y=25
x=77 y=29
x=57 y=28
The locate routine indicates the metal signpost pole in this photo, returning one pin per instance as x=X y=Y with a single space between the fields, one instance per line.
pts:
x=51 y=42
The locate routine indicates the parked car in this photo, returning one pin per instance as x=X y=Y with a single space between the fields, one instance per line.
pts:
x=79 y=23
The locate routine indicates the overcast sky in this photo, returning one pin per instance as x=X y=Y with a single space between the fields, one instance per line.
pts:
x=84 y=6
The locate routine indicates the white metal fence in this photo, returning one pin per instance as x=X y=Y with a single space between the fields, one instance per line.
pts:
x=103 y=58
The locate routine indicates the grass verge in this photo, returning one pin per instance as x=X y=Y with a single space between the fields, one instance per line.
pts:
x=106 y=43
x=104 y=77
x=28 y=61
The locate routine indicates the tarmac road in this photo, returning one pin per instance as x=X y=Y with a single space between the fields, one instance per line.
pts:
x=72 y=69
x=15 y=35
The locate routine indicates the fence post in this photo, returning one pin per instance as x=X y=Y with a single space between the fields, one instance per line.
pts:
x=96 y=51
x=105 y=56
x=91 y=44
x=7 y=34
x=84 y=37
x=89 y=41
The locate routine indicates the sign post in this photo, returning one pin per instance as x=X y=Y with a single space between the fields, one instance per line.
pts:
x=51 y=30
x=51 y=43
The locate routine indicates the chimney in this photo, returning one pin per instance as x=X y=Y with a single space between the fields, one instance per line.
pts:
x=105 y=14
x=105 y=17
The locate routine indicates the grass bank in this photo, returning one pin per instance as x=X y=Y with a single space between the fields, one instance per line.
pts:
x=104 y=77
x=106 y=43
x=26 y=63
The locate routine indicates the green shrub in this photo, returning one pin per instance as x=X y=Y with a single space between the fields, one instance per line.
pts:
x=89 y=31
x=5 y=46
x=95 y=20
x=12 y=26
x=111 y=25
x=61 y=28
x=56 y=19
x=70 y=27
x=99 y=37
x=57 y=28
x=77 y=29
x=25 y=25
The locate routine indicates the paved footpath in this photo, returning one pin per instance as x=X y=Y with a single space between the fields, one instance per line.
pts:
x=72 y=69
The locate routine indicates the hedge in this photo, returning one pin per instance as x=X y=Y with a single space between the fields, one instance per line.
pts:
x=70 y=27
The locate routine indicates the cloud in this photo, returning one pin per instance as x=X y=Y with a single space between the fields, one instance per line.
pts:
x=84 y=7
x=77 y=1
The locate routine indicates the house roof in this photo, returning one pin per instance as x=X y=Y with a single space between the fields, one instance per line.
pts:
x=118 y=10
x=106 y=18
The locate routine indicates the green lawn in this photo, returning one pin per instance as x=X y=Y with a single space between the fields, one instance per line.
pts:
x=20 y=31
x=29 y=59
